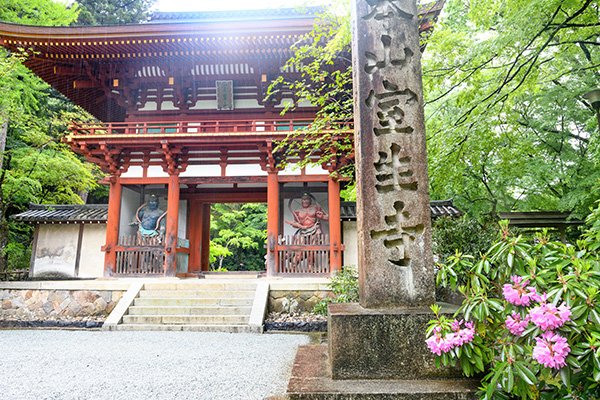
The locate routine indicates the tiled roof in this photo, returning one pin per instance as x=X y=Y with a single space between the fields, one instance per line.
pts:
x=70 y=213
x=234 y=15
x=98 y=212
x=439 y=208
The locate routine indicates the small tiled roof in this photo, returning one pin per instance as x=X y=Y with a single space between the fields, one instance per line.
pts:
x=68 y=213
x=439 y=208
x=539 y=219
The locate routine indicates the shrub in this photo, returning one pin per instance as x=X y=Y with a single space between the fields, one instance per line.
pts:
x=534 y=307
x=344 y=286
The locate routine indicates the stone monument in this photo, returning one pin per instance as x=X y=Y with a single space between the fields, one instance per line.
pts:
x=376 y=349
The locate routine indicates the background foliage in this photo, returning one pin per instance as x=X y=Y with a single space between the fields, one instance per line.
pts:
x=238 y=234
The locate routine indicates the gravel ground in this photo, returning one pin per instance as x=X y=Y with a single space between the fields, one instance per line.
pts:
x=62 y=364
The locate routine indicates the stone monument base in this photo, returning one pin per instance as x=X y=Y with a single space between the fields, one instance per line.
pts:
x=382 y=344
x=311 y=381
x=376 y=354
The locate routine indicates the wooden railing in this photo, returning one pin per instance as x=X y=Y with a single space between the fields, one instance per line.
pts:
x=187 y=127
x=139 y=256
x=303 y=255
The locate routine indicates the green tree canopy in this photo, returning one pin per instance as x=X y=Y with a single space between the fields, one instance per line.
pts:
x=507 y=128
x=113 y=12
x=35 y=167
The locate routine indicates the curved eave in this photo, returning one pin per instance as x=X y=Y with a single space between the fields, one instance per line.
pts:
x=159 y=30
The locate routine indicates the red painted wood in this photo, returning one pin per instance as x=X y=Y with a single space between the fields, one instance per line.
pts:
x=170 y=266
x=272 y=221
x=195 y=234
x=335 y=225
x=205 y=238
x=112 y=226
x=230 y=196
x=198 y=126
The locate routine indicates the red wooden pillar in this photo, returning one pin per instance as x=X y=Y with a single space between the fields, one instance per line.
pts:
x=205 y=238
x=171 y=234
x=335 y=225
x=195 y=234
x=112 y=226
x=272 y=221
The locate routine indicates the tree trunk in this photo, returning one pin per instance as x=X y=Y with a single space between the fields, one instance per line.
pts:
x=3 y=220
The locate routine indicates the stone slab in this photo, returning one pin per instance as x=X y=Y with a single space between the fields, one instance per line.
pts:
x=393 y=218
x=259 y=306
x=382 y=344
x=311 y=381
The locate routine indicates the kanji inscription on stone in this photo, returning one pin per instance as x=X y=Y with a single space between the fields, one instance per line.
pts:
x=394 y=220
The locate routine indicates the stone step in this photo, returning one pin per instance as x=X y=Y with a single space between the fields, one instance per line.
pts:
x=202 y=285
x=167 y=301
x=187 y=310
x=191 y=327
x=187 y=319
x=201 y=294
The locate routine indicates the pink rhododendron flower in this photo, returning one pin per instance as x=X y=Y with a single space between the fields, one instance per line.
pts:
x=519 y=293
x=515 y=324
x=465 y=335
x=548 y=317
x=439 y=343
x=434 y=343
x=551 y=350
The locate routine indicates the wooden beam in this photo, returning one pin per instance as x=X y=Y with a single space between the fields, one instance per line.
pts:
x=272 y=221
x=335 y=225
x=112 y=226
x=170 y=266
x=205 y=238
x=229 y=197
x=212 y=180
x=195 y=234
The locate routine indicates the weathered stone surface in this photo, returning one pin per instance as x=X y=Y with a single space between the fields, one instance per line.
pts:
x=280 y=300
x=310 y=381
x=66 y=307
x=393 y=218
x=381 y=344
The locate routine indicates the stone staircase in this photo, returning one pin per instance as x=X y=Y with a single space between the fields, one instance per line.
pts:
x=204 y=306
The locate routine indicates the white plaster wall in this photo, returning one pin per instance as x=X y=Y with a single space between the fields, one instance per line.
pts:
x=312 y=169
x=291 y=169
x=56 y=249
x=91 y=264
x=245 y=170
x=246 y=103
x=205 y=105
x=135 y=171
x=150 y=106
x=156 y=171
x=182 y=221
x=350 y=243
x=201 y=170
x=130 y=201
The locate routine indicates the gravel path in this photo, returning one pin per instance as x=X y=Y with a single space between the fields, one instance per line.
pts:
x=55 y=364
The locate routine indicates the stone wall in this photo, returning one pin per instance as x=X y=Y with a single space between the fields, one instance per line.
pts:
x=292 y=301
x=30 y=307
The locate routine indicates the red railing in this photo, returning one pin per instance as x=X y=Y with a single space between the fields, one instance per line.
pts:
x=304 y=255
x=187 y=127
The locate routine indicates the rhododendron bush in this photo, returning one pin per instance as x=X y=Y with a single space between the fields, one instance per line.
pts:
x=529 y=325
